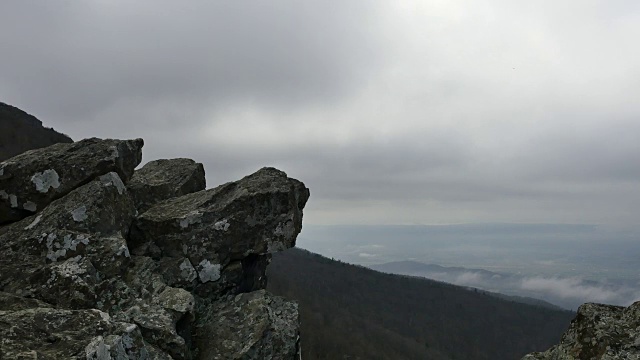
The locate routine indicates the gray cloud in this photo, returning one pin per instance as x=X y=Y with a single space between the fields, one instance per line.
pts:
x=116 y=58
x=392 y=112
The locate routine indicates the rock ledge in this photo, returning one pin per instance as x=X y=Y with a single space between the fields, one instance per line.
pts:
x=100 y=262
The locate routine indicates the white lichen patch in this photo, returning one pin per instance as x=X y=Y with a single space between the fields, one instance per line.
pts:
x=222 y=225
x=13 y=200
x=112 y=179
x=123 y=250
x=34 y=223
x=79 y=214
x=97 y=349
x=57 y=249
x=190 y=219
x=46 y=180
x=30 y=206
x=208 y=271
x=71 y=267
x=4 y=195
x=187 y=271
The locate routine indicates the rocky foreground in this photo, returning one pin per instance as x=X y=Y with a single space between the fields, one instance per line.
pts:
x=99 y=261
x=598 y=332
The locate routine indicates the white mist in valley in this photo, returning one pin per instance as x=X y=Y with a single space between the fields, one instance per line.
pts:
x=565 y=265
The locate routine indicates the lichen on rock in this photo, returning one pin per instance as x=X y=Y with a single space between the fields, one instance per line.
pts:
x=100 y=262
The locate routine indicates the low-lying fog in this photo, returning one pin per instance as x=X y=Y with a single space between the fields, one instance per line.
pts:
x=566 y=265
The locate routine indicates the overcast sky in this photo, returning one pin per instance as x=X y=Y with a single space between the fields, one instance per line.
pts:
x=392 y=112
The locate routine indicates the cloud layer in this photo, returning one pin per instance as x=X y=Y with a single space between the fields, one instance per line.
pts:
x=392 y=112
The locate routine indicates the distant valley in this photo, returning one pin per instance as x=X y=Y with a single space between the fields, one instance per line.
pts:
x=562 y=292
x=565 y=265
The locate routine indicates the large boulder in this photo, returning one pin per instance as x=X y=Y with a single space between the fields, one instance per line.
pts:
x=213 y=229
x=598 y=332
x=32 y=180
x=254 y=325
x=164 y=179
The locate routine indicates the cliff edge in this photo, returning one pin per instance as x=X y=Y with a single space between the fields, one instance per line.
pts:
x=99 y=261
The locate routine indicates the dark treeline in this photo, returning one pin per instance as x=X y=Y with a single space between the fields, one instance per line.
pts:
x=20 y=132
x=351 y=312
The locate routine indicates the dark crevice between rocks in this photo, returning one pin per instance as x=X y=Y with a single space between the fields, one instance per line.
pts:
x=254 y=273
x=184 y=328
x=18 y=214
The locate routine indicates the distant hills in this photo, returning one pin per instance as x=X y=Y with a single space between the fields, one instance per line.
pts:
x=20 y=132
x=352 y=312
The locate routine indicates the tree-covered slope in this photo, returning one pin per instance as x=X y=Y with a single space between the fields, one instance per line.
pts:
x=351 y=312
x=20 y=132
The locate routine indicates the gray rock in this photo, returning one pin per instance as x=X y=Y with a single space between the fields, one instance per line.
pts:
x=256 y=215
x=598 y=332
x=31 y=180
x=254 y=325
x=60 y=254
x=164 y=179
x=71 y=288
x=31 y=330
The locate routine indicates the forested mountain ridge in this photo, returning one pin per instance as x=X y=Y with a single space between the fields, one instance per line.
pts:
x=352 y=312
x=20 y=131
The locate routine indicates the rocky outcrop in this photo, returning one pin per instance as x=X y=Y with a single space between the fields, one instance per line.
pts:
x=598 y=332
x=109 y=263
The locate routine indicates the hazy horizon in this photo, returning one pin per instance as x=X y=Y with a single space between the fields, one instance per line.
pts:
x=566 y=265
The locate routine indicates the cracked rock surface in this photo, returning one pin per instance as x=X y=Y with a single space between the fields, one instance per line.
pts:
x=116 y=264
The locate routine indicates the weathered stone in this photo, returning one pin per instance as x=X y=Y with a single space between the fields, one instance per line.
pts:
x=598 y=332
x=254 y=325
x=164 y=179
x=35 y=331
x=258 y=214
x=60 y=254
x=163 y=313
x=32 y=180
x=70 y=287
